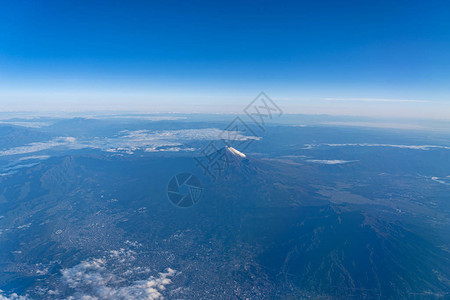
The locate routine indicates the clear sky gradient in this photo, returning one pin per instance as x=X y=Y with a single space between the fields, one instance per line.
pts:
x=387 y=58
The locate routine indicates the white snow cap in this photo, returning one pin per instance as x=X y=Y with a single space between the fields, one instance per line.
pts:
x=235 y=152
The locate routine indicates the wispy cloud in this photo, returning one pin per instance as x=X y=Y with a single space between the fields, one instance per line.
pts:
x=142 y=117
x=29 y=124
x=330 y=161
x=413 y=147
x=155 y=141
x=375 y=125
x=35 y=157
x=388 y=100
x=40 y=146
x=130 y=141
x=443 y=180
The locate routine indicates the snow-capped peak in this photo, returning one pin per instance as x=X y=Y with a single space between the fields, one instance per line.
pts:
x=235 y=152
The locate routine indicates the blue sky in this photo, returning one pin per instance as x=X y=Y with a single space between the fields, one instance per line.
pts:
x=313 y=56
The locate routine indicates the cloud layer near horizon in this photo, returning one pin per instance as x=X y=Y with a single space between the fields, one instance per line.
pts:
x=128 y=141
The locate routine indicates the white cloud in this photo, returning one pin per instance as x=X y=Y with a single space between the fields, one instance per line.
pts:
x=7 y=174
x=27 y=124
x=388 y=100
x=414 y=147
x=16 y=167
x=130 y=141
x=37 y=157
x=184 y=134
x=142 y=117
x=442 y=180
x=330 y=162
x=115 y=275
x=12 y=296
x=25 y=226
x=376 y=125
x=92 y=279
x=40 y=146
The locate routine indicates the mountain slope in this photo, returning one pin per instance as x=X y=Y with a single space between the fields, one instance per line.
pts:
x=305 y=241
